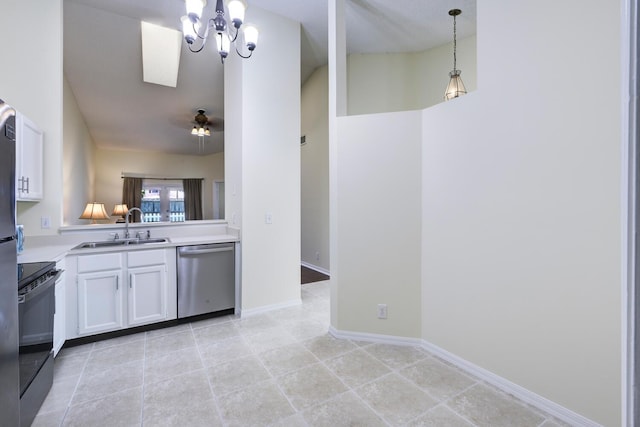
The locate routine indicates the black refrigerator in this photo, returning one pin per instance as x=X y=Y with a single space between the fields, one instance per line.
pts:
x=9 y=366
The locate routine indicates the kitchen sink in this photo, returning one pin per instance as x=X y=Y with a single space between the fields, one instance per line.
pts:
x=123 y=242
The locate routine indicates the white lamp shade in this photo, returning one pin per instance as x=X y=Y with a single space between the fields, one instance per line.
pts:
x=194 y=9
x=251 y=36
x=188 y=30
x=223 y=42
x=94 y=211
x=236 y=12
x=120 y=210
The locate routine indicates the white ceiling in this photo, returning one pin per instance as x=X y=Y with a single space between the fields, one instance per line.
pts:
x=102 y=61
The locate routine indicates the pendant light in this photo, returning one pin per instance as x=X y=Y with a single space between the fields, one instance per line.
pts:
x=455 y=88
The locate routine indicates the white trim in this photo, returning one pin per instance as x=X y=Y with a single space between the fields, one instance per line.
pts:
x=315 y=268
x=378 y=338
x=503 y=384
x=267 y=308
x=628 y=197
x=507 y=386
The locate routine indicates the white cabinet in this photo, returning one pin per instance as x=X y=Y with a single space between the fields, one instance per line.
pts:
x=147 y=287
x=29 y=156
x=99 y=302
x=118 y=290
x=59 y=318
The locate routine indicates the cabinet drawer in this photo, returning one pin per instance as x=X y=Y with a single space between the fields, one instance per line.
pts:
x=142 y=258
x=99 y=262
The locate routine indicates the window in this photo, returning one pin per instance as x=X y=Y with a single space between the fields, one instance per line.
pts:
x=162 y=201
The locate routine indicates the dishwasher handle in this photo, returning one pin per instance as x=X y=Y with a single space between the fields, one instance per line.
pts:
x=197 y=251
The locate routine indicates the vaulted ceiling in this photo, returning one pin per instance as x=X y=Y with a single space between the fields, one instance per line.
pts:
x=102 y=61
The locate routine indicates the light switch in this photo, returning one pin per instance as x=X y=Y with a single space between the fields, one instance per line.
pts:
x=268 y=218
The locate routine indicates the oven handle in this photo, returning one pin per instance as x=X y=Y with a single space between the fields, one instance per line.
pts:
x=40 y=289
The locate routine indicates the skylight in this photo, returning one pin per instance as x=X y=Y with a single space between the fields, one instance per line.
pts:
x=160 y=54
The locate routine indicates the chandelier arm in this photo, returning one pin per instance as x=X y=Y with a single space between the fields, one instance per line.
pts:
x=242 y=56
x=236 y=35
x=196 y=50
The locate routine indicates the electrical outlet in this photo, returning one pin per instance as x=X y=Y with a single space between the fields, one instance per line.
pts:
x=45 y=222
x=268 y=218
x=317 y=256
x=382 y=311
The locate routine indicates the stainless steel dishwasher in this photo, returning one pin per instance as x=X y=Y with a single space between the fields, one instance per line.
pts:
x=206 y=278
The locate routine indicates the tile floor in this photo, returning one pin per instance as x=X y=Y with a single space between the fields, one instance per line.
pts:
x=279 y=369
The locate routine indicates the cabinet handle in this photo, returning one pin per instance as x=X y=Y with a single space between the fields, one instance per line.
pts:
x=117 y=279
x=27 y=185
x=130 y=279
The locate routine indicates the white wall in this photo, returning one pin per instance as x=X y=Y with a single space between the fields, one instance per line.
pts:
x=110 y=164
x=78 y=161
x=521 y=206
x=379 y=223
x=31 y=81
x=262 y=137
x=388 y=82
x=314 y=170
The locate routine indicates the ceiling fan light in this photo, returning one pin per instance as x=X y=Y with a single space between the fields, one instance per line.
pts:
x=251 y=37
x=207 y=132
x=194 y=9
x=194 y=131
x=188 y=30
x=236 y=12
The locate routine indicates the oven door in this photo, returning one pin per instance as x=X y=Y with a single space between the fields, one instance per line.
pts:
x=36 y=308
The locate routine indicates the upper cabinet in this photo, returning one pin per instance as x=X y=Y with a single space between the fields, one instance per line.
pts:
x=29 y=155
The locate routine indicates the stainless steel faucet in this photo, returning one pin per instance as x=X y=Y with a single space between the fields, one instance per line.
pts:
x=126 y=220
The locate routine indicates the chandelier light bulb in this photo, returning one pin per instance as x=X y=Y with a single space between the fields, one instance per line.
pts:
x=251 y=37
x=188 y=29
x=236 y=12
x=194 y=9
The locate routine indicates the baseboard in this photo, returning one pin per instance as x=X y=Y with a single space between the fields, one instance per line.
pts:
x=315 y=268
x=509 y=387
x=377 y=338
x=267 y=308
x=527 y=396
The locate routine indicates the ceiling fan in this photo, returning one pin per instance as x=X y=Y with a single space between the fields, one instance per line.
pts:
x=202 y=124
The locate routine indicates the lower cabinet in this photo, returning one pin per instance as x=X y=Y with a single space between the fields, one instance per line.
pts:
x=118 y=290
x=100 y=301
x=147 y=302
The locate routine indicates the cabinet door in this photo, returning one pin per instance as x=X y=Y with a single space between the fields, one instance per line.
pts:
x=147 y=290
x=100 y=302
x=59 y=324
x=29 y=166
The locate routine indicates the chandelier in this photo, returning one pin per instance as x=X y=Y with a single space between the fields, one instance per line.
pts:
x=195 y=36
x=455 y=88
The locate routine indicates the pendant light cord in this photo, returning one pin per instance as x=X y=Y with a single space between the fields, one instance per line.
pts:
x=454 y=42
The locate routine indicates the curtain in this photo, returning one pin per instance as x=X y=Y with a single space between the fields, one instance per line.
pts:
x=192 y=198
x=132 y=195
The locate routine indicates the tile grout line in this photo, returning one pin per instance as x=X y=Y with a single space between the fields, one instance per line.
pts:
x=216 y=403
x=144 y=365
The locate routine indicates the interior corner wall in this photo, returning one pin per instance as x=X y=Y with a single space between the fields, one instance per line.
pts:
x=78 y=166
x=314 y=170
x=407 y=81
x=379 y=182
x=110 y=164
x=31 y=81
x=263 y=96
x=521 y=199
